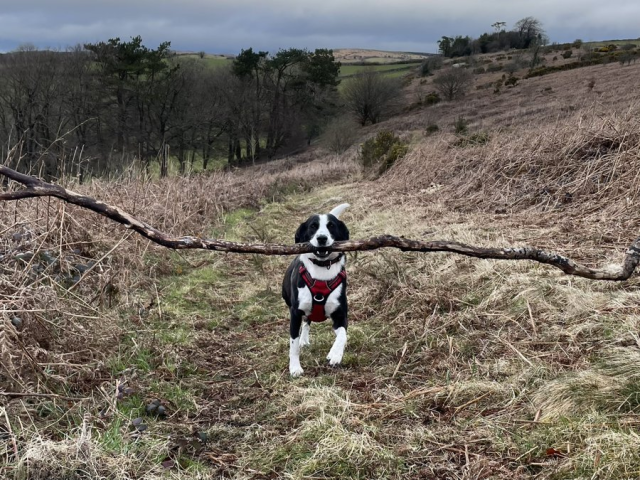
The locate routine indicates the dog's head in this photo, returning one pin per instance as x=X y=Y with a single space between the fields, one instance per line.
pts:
x=322 y=231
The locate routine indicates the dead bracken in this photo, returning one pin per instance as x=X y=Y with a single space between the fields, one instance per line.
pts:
x=455 y=367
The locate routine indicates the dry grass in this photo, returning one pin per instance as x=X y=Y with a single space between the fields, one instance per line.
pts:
x=455 y=368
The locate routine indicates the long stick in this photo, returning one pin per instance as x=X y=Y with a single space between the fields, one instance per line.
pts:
x=39 y=188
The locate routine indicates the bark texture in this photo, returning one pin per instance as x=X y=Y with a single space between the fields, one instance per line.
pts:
x=38 y=188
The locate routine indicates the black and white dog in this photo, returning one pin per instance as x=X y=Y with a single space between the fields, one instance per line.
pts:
x=315 y=286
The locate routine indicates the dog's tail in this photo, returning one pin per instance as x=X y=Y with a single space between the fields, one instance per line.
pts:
x=336 y=212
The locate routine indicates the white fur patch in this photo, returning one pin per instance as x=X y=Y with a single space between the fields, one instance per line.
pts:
x=336 y=212
x=304 y=336
x=333 y=301
x=337 y=350
x=322 y=273
x=305 y=302
x=295 y=369
x=322 y=231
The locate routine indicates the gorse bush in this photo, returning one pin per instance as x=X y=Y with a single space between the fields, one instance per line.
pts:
x=512 y=81
x=378 y=154
x=432 y=98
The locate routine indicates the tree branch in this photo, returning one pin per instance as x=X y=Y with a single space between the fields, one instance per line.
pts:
x=38 y=188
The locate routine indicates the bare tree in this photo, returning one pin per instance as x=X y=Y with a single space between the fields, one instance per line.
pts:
x=529 y=30
x=453 y=83
x=369 y=95
x=340 y=135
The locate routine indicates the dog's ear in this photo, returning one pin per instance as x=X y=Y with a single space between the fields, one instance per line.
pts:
x=301 y=233
x=342 y=232
x=336 y=212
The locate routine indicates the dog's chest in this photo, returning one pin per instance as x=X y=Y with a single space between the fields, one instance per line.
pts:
x=309 y=307
x=318 y=298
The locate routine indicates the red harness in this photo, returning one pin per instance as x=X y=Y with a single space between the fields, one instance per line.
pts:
x=320 y=291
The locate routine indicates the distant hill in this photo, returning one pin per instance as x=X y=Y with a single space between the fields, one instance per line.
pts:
x=360 y=55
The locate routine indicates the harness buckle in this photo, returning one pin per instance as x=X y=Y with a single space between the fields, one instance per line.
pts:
x=318 y=298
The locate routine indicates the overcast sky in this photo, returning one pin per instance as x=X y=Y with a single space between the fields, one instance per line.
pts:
x=226 y=26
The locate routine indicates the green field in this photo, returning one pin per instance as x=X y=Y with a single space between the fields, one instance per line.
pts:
x=347 y=70
x=393 y=69
x=618 y=43
x=214 y=61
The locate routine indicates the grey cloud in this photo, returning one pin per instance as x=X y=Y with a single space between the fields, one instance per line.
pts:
x=226 y=26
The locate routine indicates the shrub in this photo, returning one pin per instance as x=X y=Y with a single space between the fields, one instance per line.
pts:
x=577 y=43
x=626 y=58
x=453 y=83
x=494 y=68
x=380 y=153
x=567 y=54
x=540 y=71
x=432 y=98
x=430 y=65
x=461 y=125
x=339 y=135
x=479 y=138
x=512 y=81
x=432 y=128
x=369 y=95
x=478 y=70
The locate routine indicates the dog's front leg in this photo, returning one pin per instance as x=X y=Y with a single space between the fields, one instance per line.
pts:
x=295 y=369
x=339 y=318
x=304 y=336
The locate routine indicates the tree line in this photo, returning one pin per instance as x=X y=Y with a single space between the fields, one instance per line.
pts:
x=93 y=108
x=525 y=34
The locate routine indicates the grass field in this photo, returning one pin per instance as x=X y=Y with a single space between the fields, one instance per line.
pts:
x=619 y=43
x=389 y=69
x=213 y=61
x=455 y=368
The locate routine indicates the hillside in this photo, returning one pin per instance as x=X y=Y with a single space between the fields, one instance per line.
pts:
x=360 y=55
x=454 y=368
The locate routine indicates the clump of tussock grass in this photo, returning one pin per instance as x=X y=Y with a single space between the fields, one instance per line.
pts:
x=75 y=457
x=328 y=440
x=611 y=455
x=612 y=385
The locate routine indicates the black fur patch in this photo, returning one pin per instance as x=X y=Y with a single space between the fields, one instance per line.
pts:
x=308 y=229
x=336 y=227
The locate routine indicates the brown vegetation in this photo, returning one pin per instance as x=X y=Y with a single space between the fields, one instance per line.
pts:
x=455 y=367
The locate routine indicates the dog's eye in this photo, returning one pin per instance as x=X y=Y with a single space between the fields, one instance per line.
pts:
x=331 y=226
x=314 y=225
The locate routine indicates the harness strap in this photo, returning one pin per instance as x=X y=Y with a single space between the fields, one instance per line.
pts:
x=320 y=291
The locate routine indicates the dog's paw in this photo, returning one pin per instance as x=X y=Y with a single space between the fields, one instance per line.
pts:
x=304 y=341
x=296 y=371
x=335 y=357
